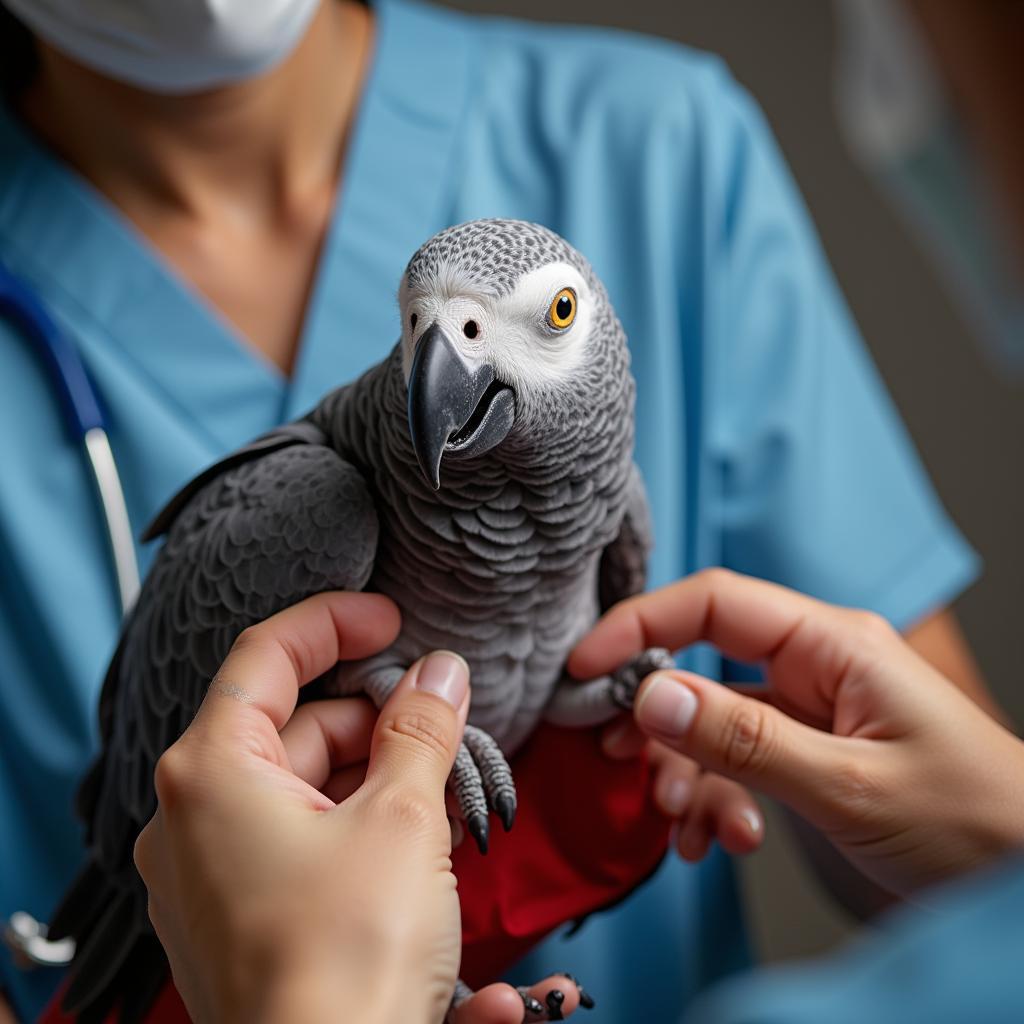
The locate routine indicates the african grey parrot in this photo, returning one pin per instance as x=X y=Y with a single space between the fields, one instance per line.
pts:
x=481 y=476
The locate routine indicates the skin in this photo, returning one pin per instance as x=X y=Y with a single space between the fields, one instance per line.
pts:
x=272 y=821
x=907 y=778
x=233 y=187
x=714 y=808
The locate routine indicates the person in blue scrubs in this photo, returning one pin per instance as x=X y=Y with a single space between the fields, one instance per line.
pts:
x=222 y=258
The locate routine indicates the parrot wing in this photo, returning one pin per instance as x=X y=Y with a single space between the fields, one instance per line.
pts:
x=623 y=569
x=280 y=520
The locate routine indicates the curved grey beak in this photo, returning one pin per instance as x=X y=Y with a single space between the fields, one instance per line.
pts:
x=456 y=404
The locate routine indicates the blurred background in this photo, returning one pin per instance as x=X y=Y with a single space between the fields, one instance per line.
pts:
x=962 y=405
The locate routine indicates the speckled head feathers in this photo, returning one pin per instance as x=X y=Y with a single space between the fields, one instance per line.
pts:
x=493 y=253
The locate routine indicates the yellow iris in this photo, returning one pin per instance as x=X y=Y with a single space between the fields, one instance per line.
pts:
x=562 y=311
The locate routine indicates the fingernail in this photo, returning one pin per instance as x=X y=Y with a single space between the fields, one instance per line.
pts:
x=666 y=707
x=752 y=818
x=675 y=797
x=446 y=674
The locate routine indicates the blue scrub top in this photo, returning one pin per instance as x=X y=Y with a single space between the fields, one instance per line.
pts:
x=958 y=962
x=765 y=437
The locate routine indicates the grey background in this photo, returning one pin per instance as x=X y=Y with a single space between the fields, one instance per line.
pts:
x=968 y=423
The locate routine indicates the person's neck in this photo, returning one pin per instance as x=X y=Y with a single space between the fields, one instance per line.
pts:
x=255 y=149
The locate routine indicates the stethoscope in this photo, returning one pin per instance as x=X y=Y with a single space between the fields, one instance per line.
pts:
x=85 y=422
x=83 y=416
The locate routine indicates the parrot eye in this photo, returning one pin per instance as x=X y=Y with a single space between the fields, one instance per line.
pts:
x=562 y=310
x=412 y=322
x=470 y=329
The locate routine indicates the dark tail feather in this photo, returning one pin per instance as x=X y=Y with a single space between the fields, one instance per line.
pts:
x=82 y=904
x=101 y=952
x=89 y=790
x=98 y=1011
x=143 y=976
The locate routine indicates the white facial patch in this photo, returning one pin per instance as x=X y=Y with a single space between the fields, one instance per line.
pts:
x=514 y=333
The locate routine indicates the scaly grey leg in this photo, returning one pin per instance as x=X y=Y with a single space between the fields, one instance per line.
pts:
x=468 y=786
x=580 y=705
x=480 y=773
x=495 y=772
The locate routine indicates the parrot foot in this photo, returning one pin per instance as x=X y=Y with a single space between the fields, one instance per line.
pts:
x=533 y=1009
x=551 y=1008
x=482 y=780
x=586 y=999
x=626 y=681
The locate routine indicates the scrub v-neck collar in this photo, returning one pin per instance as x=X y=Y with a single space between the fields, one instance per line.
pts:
x=103 y=277
x=393 y=193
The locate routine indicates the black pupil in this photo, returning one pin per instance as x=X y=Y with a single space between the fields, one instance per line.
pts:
x=471 y=330
x=412 y=321
x=563 y=310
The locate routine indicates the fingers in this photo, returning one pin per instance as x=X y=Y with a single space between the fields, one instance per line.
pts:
x=808 y=648
x=719 y=809
x=269 y=662
x=746 y=618
x=743 y=739
x=420 y=727
x=326 y=736
x=623 y=740
x=704 y=806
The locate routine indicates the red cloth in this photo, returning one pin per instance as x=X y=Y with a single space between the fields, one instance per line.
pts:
x=586 y=834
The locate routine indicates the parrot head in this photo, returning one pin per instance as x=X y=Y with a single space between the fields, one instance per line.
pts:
x=508 y=338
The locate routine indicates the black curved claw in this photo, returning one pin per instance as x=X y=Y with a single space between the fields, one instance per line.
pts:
x=505 y=805
x=586 y=999
x=554 y=999
x=531 y=1005
x=479 y=829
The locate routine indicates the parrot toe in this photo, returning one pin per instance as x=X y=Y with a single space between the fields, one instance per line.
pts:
x=480 y=830
x=482 y=780
x=626 y=680
x=505 y=805
x=533 y=1009
x=554 y=1001
x=586 y=999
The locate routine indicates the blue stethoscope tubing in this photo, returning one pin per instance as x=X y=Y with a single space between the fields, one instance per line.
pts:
x=87 y=426
x=83 y=416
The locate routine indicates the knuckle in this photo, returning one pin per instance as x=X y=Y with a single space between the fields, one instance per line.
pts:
x=417 y=728
x=141 y=852
x=872 y=629
x=715 y=577
x=748 y=740
x=252 y=637
x=172 y=777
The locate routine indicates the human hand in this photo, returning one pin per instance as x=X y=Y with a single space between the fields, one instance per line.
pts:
x=703 y=805
x=272 y=901
x=909 y=779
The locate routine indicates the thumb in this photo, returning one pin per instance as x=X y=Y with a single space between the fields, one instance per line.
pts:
x=420 y=727
x=743 y=738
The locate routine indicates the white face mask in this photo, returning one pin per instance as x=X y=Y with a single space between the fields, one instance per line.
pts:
x=170 y=46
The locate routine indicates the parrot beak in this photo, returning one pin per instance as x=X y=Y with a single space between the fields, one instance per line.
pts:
x=457 y=406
